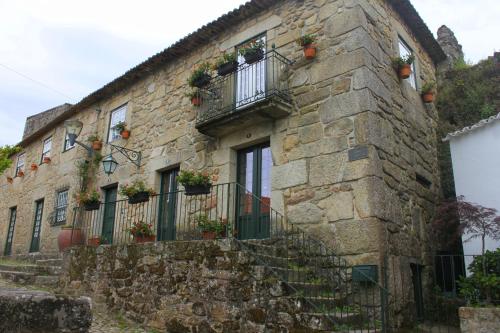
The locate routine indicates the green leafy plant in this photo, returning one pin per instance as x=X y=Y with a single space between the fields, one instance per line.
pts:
x=399 y=62
x=483 y=285
x=121 y=126
x=86 y=197
x=137 y=186
x=428 y=87
x=252 y=47
x=194 y=178
x=93 y=137
x=202 y=70
x=205 y=224
x=306 y=40
x=141 y=229
x=6 y=153
x=192 y=94
x=224 y=59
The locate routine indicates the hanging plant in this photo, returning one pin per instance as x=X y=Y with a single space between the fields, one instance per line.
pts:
x=46 y=160
x=307 y=43
x=137 y=192
x=195 y=182
x=226 y=64
x=253 y=51
x=121 y=128
x=194 y=97
x=10 y=180
x=89 y=200
x=403 y=65
x=428 y=92
x=95 y=141
x=200 y=76
x=34 y=167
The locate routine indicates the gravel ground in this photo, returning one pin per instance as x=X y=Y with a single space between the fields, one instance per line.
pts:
x=102 y=322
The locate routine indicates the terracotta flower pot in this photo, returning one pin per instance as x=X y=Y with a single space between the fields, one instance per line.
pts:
x=208 y=235
x=46 y=160
x=68 y=237
x=96 y=145
x=95 y=241
x=34 y=166
x=404 y=71
x=10 y=180
x=309 y=51
x=428 y=97
x=125 y=134
x=20 y=173
x=144 y=239
x=196 y=101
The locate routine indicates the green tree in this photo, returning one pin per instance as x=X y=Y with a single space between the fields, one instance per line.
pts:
x=5 y=156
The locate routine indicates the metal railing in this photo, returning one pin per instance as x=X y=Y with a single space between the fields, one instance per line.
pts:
x=249 y=84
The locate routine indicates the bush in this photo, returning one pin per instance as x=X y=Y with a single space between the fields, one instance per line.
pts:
x=483 y=285
x=194 y=178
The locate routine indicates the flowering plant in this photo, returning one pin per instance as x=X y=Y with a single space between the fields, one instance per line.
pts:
x=141 y=229
x=137 y=186
x=120 y=127
x=194 y=178
x=199 y=73
x=88 y=197
x=205 y=224
x=252 y=47
x=224 y=59
x=306 y=40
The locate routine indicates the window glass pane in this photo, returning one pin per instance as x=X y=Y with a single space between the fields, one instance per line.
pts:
x=67 y=145
x=47 y=146
x=61 y=204
x=117 y=116
x=20 y=163
x=405 y=51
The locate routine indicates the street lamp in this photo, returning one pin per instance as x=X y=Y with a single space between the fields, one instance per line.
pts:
x=109 y=164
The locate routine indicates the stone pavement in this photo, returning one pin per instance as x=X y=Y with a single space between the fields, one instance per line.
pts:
x=102 y=322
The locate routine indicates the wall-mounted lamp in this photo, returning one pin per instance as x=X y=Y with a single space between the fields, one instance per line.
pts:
x=109 y=164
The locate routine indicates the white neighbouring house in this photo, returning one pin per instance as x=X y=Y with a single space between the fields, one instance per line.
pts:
x=475 y=154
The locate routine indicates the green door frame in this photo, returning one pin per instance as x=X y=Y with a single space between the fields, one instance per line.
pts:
x=168 y=205
x=256 y=224
x=37 y=227
x=10 y=232
x=108 y=221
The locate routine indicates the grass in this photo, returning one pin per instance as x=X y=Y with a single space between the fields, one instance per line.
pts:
x=12 y=262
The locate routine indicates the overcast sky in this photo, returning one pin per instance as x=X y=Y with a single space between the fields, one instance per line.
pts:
x=71 y=48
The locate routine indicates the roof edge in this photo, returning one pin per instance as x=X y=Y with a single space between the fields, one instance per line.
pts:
x=471 y=128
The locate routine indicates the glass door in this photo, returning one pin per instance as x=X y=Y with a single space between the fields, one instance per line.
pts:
x=168 y=205
x=10 y=232
x=37 y=226
x=254 y=174
x=251 y=79
x=108 y=222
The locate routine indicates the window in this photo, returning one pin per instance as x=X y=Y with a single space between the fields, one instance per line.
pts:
x=61 y=207
x=405 y=51
x=47 y=145
x=117 y=116
x=67 y=145
x=20 y=163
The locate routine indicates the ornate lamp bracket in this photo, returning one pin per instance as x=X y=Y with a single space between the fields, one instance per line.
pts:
x=132 y=155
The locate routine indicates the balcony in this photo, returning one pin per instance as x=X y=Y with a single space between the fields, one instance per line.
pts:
x=253 y=93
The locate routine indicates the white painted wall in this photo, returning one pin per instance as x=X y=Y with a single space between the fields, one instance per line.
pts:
x=476 y=168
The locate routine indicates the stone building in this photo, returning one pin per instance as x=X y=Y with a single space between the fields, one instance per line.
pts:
x=338 y=144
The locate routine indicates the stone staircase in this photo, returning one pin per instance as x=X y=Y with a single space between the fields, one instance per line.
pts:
x=318 y=283
x=38 y=270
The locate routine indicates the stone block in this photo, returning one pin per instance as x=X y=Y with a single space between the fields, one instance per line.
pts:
x=339 y=128
x=339 y=64
x=338 y=206
x=305 y=213
x=346 y=21
x=366 y=78
x=312 y=97
x=290 y=174
x=326 y=169
x=357 y=236
x=474 y=320
x=310 y=133
x=344 y=105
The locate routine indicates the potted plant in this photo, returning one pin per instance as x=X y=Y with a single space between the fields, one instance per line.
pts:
x=95 y=141
x=307 y=43
x=10 y=180
x=195 y=98
x=226 y=64
x=89 y=200
x=200 y=76
x=195 y=182
x=94 y=241
x=210 y=229
x=46 y=160
x=253 y=51
x=34 y=166
x=68 y=236
x=137 y=192
x=121 y=127
x=428 y=92
x=142 y=232
x=403 y=65
x=20 y=173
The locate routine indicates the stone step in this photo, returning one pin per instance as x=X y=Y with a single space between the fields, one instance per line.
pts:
x=331 y=321
x=19 y=277
x=47 y=280
x=33 y=257
x=311 y=289
x=329 y=304
x=36 y=269
x=50 y=262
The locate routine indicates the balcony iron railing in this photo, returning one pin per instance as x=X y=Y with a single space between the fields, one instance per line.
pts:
x=250 y=84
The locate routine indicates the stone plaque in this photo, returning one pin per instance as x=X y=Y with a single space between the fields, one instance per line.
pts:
x=358 y=153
